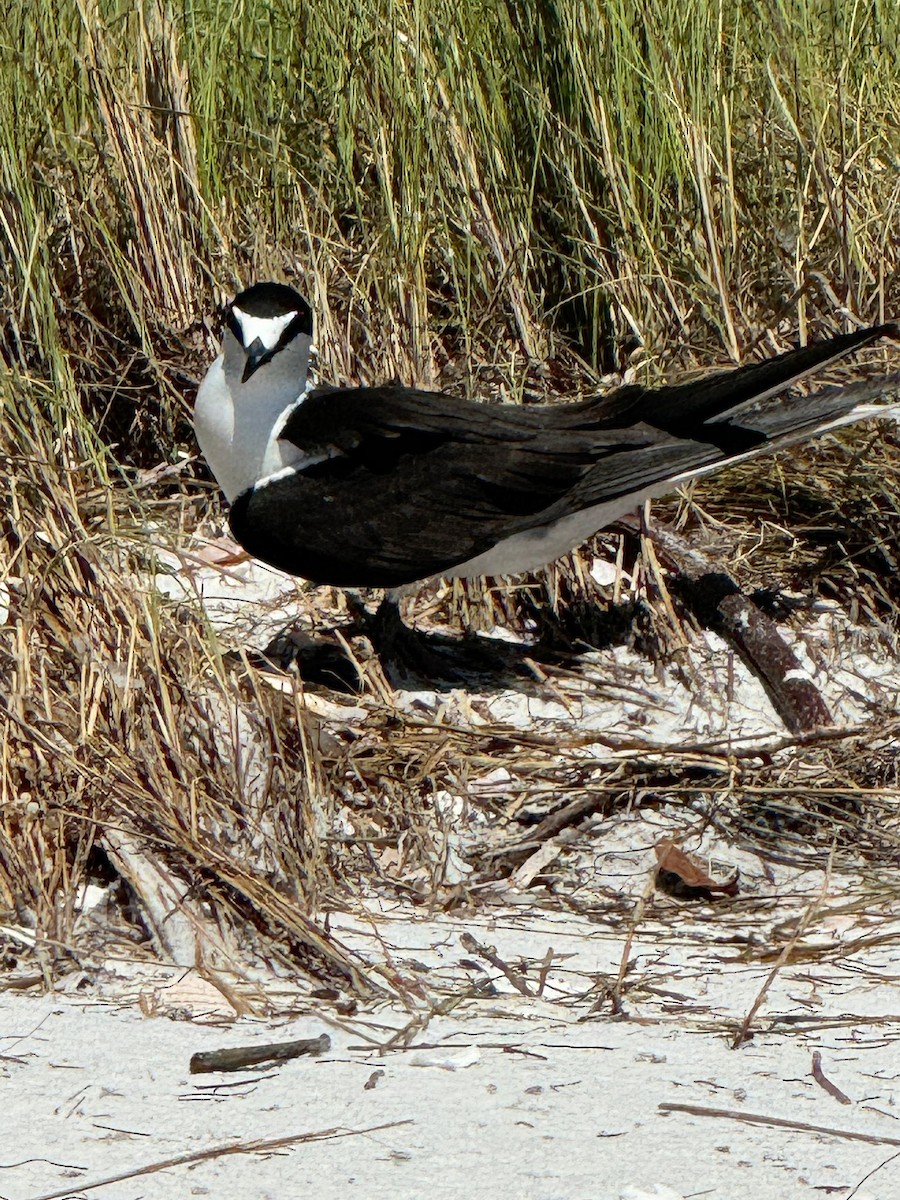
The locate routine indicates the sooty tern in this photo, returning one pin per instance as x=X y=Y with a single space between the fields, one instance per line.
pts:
x=388 y=486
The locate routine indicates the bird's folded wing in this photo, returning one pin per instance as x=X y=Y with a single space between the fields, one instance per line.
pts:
x=394 y=485
x=401 y=484
x=494 y=460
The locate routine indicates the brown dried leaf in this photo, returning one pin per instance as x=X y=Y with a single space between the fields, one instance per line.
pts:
x=680 y=876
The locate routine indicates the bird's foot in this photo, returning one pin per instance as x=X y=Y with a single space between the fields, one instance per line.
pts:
x=410 y=656
x=319 y=662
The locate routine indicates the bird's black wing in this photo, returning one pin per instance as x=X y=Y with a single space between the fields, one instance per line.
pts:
x=401 y=484
x=395 y=484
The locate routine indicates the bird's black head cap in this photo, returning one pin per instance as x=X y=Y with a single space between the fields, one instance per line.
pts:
x=275 y=300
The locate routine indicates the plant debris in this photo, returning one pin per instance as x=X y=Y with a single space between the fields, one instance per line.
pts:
x=680 y=876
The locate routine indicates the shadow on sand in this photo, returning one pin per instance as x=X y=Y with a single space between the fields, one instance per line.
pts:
x=441 y=662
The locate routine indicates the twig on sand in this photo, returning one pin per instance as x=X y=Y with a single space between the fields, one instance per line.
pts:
x=258 y=1146
x=744 y=1032
x=698 y=1110
x=238 y=1058
x=824 y=1082
x=552 y=826
x=869 y=1174
x=615 y=993
x=490 y=954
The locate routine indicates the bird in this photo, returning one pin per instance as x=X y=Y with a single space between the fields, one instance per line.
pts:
x=390 y=486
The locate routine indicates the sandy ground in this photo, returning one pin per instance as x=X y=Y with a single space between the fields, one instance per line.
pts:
x=541 y=1097
x=497 y=1065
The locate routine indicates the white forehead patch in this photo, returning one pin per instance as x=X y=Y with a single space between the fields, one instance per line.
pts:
x=267 y=329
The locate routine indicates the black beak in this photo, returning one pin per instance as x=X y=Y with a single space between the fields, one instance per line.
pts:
x=257 y=354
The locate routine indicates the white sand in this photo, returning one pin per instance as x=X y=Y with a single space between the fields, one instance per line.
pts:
x=508 y=1096
x=547 y=1096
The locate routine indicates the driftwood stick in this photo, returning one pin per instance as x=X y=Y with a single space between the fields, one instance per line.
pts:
x=719 y=603
x=240 y=1057
x=698 y=1110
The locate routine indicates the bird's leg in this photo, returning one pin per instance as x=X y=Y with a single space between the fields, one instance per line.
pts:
x=387 y=626
x=386 y=621
x=404 y=652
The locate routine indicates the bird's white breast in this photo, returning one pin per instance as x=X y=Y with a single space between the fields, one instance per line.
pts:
x=238 y=424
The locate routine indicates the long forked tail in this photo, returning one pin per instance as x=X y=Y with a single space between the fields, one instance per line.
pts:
x=726 y=395
x=780 y=425
x=732 y=417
